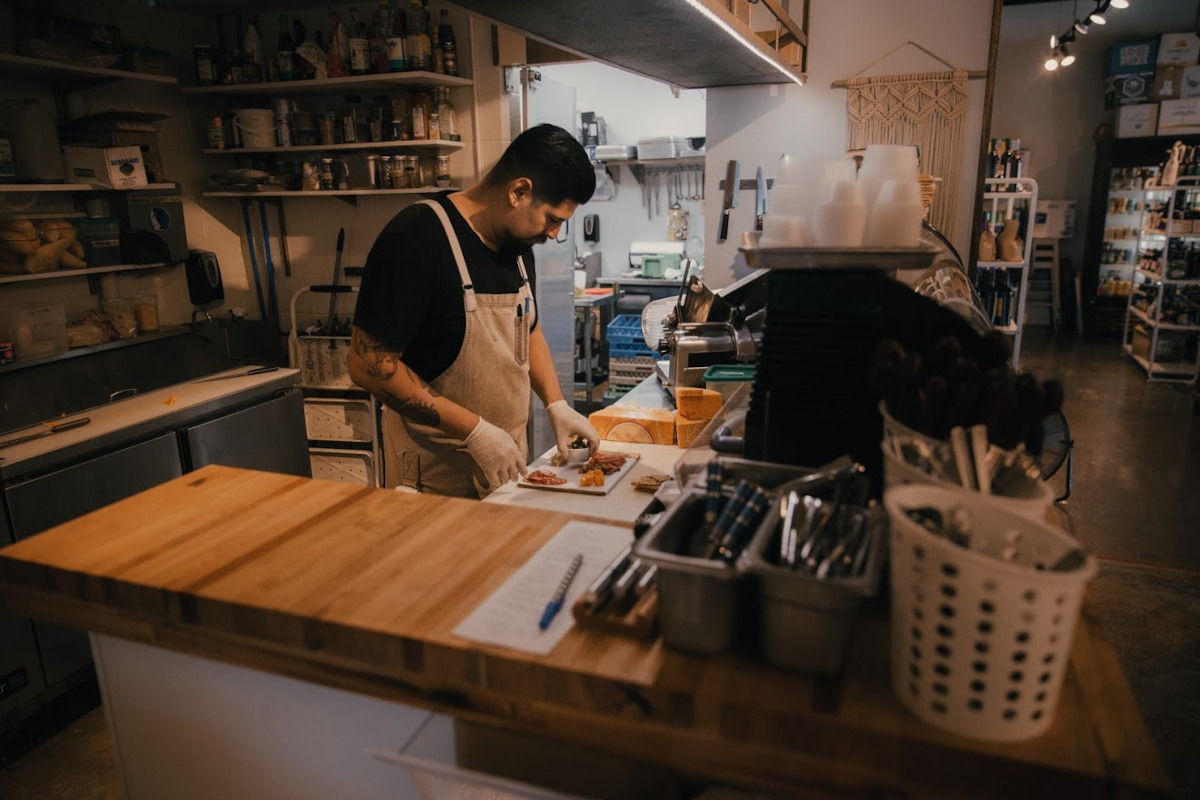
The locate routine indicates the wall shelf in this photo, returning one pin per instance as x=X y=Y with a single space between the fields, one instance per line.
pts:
x=78 y=187
x=327 y=193
x=352 y=83
x=41 y=68
x=161 y=333
x=55 y=274
x=440 y=145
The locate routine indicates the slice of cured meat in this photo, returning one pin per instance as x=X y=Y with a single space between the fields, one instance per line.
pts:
x=543 y=477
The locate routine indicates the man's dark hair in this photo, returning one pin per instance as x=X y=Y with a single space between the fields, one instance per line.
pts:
x=553 y=160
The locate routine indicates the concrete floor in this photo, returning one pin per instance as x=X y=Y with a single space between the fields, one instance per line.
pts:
x=1136 y=504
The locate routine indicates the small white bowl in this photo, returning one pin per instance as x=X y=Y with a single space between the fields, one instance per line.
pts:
x=578 y=456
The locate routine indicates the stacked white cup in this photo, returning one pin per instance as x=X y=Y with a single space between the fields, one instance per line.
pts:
x=786 y=222
x=892 y=194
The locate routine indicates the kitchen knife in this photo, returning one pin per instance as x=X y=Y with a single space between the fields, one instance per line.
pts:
x=733 y=179
x=760 y=198
x=58 y=427
x=255 y=371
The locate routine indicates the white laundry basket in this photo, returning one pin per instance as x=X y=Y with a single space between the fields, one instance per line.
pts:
x=981 y=637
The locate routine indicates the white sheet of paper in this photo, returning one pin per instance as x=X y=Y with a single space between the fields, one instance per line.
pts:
x=509 y=617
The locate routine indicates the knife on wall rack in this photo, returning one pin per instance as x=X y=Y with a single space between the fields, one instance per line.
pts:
x=733 y=171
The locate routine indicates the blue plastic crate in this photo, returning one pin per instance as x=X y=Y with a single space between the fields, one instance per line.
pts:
x=626 y=329
x=628 y=350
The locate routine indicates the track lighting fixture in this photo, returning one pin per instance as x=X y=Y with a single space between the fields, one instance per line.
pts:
x=1059 y=55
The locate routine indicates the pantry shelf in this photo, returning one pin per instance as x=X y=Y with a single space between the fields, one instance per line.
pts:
x=42 y=69
x=440 y=145
x=76 y=352
x=325 y=193
x=77 y=187
x=75 y=273
x=377 y=82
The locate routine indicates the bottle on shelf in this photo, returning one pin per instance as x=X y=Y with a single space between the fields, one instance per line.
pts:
x=1004 y=299
x=448 y=116
x=375 y=34
x=418 y=38
x=339 y=45
x=987 y=290
x=285 y=52
x=420 y=116
x=252 y=54
x=359 y=45
x=395 y=38
x=448 y=43
x=435 y=53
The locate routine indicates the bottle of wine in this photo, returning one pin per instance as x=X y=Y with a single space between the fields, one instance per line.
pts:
x=1004 y=299
x=360 y=46
x=252 y=53
x=448 y=43
x=987 y=291
x=285 y=52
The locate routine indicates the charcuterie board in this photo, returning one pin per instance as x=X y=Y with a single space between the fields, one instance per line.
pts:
x=571 y=474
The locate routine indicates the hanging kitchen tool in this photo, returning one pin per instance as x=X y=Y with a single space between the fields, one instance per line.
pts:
x=760 y=198
x=283 y=242
x=333 y=287
x=733 y=173
x=262 y=306
x=273 y=301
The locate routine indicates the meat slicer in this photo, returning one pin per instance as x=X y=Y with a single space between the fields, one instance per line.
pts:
x=700 y=328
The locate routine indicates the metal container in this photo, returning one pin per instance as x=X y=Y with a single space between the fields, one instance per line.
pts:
x=762 y=473
x=374 y=173
x=805 y=620
x=700 y=601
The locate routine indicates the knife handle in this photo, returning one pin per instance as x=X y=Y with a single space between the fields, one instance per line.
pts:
x=723 y=229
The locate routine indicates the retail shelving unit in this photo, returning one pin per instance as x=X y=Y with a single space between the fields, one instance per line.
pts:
x=1162 y=319
x=1005 y=199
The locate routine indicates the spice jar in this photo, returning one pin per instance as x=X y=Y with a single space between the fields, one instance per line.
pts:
x=145 y=310
x=385 y=172
x=441 y=175
x=326 y=174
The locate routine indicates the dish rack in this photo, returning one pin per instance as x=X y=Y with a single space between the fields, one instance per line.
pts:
x=340 y=419
x=630 y=361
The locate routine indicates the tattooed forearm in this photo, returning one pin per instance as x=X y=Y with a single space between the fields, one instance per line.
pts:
x=413 y=408
x=381 y=361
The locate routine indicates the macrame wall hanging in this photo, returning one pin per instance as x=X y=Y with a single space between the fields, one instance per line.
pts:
x=927 y=109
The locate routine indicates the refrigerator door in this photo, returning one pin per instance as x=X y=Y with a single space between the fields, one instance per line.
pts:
x=268 y=436
x=21 y=677
x=73 y=491
x=553 y=102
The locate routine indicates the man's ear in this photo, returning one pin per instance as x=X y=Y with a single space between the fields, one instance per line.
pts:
x=519 y=190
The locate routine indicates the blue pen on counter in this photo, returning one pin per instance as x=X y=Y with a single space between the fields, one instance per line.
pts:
x=556 y=602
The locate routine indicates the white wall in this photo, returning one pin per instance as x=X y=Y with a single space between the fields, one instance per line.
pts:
x=1055 y=114
x=755 y=125
x=633 y=107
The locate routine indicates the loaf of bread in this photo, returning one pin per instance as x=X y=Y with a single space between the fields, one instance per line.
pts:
x=632 y=423
x=696 y=403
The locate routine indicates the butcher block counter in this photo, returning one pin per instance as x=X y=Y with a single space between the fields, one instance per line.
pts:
x=360 y=589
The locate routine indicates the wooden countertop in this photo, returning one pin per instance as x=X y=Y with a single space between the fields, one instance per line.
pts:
x=361 y=589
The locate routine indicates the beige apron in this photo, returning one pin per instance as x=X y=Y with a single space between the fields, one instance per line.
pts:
x=490 y=377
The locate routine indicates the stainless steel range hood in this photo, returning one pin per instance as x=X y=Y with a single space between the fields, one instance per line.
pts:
x=689 y=43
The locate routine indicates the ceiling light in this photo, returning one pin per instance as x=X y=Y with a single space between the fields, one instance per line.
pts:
x=1067 y=58
x=1053 y=41
x=1081 y=25
x=1098 y=18
x=1120 y=3
x=1051 y=63
x=754 y=47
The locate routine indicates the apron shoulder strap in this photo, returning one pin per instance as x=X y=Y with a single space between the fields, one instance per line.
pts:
x=469 y=302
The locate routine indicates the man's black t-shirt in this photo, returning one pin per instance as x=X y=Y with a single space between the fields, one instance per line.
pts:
x=411 y=296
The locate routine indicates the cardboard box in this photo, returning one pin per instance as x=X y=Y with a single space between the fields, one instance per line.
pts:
x=1130 y=89
x=147 y=142
x=1133 y=121
x=1179 y=48
x=1178 y=117
x=1167 y=81
x=116 y=167
x=1135 y=56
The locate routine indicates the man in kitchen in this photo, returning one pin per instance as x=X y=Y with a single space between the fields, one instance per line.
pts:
x=445 y=331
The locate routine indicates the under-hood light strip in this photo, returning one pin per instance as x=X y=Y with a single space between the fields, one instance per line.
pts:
x=751 y=46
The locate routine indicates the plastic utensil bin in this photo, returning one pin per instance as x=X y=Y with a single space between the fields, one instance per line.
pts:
x=806 y=621
x=1035 y=500
x=700 y=601
x=980 y=642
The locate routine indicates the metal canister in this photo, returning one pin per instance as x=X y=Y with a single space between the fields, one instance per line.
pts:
x=326 y=173
x=214 y=133
x=283 y=122
x=374 y=178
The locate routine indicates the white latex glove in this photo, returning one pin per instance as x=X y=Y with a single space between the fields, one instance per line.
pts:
x=496 y=454
x=567 y=421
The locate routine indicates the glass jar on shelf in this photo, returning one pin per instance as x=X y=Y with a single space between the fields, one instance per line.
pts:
x=441 y=174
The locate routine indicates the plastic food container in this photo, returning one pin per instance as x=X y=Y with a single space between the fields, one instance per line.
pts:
x=122 y=314
x=981 y=634
x=728 y=378
x=805 y=620
x=36 y=330
x=700 y=601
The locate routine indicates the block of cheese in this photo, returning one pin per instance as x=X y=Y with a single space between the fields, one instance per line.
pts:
x=686 y=430
x=633 y=423
x=696 y=403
